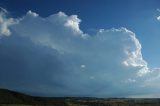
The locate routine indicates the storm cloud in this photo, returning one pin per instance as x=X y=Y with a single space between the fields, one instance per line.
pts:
x=52 y=56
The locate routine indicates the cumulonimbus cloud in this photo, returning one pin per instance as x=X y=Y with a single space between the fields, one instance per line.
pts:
x=53 y=53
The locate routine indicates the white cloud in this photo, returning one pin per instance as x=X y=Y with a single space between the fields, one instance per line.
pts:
x=32 y=13
x=83 y=66
x=112 y=56
x=5 y=23
x=158 y=18
x=131 y=48
x=73 y=23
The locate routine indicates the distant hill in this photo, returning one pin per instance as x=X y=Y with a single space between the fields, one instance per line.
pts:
x=13 y=98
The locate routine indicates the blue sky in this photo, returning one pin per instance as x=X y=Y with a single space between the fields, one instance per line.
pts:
x=80 y=44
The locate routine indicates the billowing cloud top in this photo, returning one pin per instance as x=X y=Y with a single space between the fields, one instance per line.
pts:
x=5 y=23
x=158 y=17
x=53 y=56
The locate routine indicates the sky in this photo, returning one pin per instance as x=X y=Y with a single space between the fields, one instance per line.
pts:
x=100 y=48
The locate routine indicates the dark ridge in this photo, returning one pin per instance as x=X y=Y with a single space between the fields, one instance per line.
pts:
x=13 y=97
